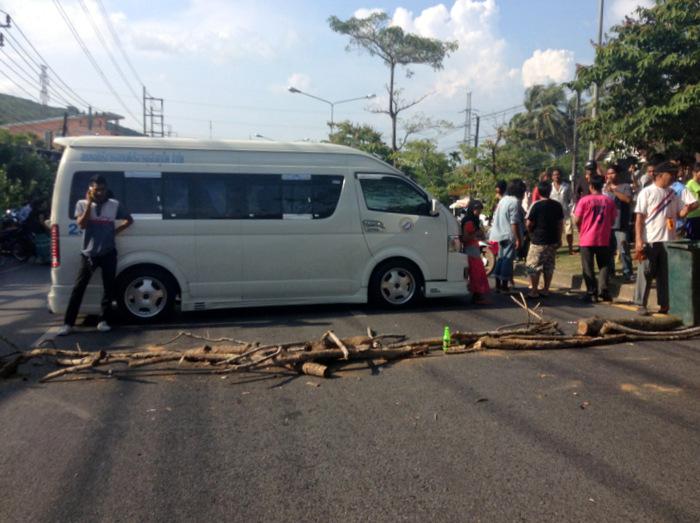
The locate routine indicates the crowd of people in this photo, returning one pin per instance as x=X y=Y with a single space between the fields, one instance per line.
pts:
x=612 y=212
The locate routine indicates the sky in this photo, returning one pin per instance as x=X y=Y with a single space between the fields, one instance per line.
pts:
x=223 y=67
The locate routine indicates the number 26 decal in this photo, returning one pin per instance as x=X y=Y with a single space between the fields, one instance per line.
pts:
x=74 y=230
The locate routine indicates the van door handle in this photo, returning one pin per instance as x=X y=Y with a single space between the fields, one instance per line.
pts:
x=372 y=226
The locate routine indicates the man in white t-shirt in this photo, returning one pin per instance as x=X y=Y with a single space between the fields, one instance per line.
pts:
x=658 y=208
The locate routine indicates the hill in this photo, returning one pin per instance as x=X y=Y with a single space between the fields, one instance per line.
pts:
x=15 y=109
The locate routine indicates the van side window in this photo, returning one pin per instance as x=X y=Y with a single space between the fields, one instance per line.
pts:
x=326 y=195
x=263 y=196
x=176 y=197
x=310 y=196
x=391 y=194
x=81 y=180
x=213 y=196
x=143 y=195
x=209 y=197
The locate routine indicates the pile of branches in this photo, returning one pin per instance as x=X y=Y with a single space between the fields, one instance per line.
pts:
x=321 y=357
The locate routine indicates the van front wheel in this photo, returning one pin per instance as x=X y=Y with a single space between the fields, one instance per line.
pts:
x=146 y=294
x=396 y=284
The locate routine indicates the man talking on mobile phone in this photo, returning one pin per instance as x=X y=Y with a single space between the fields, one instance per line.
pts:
x=96 y=216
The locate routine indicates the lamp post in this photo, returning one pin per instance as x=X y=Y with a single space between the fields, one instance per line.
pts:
x=294 y=90
x=594 y=111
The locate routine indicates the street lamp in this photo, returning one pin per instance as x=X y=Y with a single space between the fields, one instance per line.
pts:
x=294 y=90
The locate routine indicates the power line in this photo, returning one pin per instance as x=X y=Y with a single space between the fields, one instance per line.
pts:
x=22 y=74
x=32 y=96
x=56 y=76
x=33 y=64
x=91 y=58
x=27 y=77
x=106 y=48
x=116 y=39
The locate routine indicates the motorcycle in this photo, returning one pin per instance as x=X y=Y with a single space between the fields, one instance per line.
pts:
x=15 y=239
x=489 y=253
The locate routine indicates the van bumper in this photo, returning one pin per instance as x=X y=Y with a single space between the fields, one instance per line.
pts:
x=59 y=296
x=443 y=289
x=455 y=284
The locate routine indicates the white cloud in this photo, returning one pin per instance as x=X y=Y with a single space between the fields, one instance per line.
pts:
x=548 y=66
x=620 y=8
x=365 y=12
x=480 y=62
x=215 y=30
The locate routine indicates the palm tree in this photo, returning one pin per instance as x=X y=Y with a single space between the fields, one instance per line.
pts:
x=547 y=120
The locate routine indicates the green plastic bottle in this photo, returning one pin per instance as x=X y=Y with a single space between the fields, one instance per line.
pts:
x=446 y=339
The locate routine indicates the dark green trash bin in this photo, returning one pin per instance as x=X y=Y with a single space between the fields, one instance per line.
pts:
x=684 y=280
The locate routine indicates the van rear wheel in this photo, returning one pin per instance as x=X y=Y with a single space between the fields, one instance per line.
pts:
x=146 y=294
x=396 y=284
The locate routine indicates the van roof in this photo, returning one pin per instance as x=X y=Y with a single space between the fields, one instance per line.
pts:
x=128 y=142
x=144 y=142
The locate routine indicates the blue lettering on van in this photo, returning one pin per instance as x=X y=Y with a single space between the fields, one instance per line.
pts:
x=74 y=230
x=132 y=157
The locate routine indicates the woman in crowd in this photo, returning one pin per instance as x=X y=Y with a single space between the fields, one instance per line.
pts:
x=471 y=234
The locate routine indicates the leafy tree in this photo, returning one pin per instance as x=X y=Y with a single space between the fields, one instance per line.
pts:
x=547 y=122
x=363 y=137
x=26 y=174
x=421 y=160
x=395 y=48
x=649 y=78
x=11 y=192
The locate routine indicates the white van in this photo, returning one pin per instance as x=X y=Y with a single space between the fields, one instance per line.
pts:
x=221 y=224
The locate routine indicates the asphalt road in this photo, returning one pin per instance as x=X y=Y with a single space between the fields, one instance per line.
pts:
x=493 y=436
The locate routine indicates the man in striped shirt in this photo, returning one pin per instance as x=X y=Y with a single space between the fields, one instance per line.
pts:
x=658 y=207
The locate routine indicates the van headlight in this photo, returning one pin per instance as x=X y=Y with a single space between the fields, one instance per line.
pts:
x=454 y=244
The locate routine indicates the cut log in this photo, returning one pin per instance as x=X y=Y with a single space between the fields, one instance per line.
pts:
x=610 y=327
x=76 y=368
x=593 y=326
x=573 y=342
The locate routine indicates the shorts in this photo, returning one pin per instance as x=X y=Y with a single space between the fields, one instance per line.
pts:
x=568 y=226
x=541 y=258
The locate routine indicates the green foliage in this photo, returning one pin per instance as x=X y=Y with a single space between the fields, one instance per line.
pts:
x=547 y=122
x=362 y=137
x=11 y=192
x=429 y=167
x=25 y=174
x=649 y=78
x=395 y=48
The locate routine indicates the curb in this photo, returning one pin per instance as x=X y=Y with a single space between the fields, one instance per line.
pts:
x=571 y=282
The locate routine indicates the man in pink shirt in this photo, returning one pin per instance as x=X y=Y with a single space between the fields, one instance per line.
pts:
x=595 y=215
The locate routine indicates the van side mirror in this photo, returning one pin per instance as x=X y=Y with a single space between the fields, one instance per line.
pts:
x=434 y=207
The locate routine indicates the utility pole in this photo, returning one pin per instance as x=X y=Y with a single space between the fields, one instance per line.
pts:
x=211 y=130
x=44 y=83
x=574 y=147
x=594 y=111
x=468 y=119
x=476 y=132
x=153 y=115
x=144 y=110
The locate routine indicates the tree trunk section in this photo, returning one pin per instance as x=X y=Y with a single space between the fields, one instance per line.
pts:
x=593 y=326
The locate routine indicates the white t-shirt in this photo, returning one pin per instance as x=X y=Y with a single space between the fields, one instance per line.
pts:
x=659 y=206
